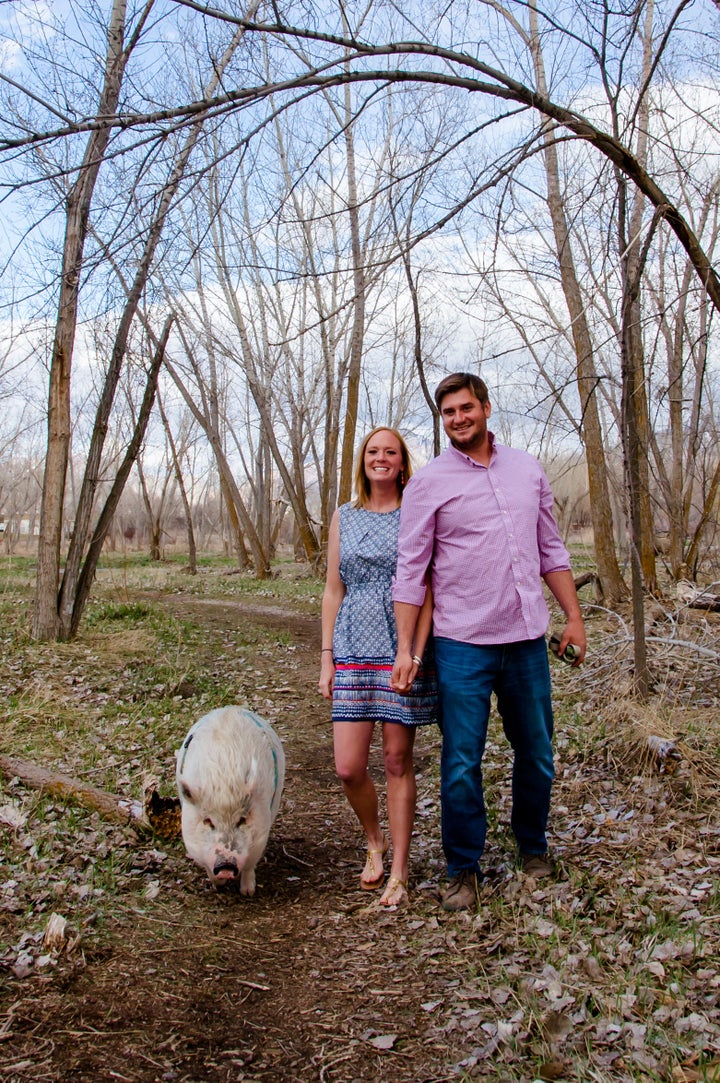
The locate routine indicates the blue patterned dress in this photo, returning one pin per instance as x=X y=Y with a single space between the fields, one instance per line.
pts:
x=365 y=637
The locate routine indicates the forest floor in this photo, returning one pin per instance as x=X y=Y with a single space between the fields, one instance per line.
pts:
x=610 y=971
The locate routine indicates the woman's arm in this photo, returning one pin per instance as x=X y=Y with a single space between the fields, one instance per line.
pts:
x=332 y=597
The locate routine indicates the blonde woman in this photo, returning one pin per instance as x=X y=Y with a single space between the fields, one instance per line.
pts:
x=359 y=641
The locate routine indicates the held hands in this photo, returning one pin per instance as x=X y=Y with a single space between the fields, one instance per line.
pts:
x=404 y=672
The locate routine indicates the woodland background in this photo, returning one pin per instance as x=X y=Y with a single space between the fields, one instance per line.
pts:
x=238 y=235
x=235 y=237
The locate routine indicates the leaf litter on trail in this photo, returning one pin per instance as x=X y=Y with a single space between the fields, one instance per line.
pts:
x=609 y=971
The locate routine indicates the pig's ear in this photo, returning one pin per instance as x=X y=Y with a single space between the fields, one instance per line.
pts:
x=186 y=792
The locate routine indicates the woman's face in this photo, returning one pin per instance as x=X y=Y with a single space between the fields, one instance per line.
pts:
x=382 y=460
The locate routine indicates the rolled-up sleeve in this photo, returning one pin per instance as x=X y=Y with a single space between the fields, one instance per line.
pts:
x=415 y=543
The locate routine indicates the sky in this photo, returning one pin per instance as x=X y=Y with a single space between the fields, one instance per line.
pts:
x=29 y=259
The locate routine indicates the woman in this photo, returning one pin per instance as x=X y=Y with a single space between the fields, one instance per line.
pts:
x=358 y=649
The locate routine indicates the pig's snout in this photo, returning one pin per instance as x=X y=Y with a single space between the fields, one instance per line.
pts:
x=225 y=870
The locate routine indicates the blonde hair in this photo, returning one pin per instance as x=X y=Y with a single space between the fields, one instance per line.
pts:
x=362 y=485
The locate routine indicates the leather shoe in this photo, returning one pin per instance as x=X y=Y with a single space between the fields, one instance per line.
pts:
x=537 y=865
x=462 y=891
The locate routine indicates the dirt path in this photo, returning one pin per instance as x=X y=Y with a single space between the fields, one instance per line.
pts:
x=608 y=972
x=306 y=981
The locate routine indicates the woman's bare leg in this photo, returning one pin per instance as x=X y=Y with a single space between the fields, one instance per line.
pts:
x=352 y=751
x=398 y=742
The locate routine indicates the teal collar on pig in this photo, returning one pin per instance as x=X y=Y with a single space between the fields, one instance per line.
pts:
x=262 y=726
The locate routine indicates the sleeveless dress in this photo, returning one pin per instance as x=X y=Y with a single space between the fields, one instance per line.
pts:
x=365 y=637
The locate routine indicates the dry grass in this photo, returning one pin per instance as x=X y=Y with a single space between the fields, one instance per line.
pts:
x=608 y=972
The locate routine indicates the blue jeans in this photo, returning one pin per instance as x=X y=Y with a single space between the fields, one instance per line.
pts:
x=519 y=674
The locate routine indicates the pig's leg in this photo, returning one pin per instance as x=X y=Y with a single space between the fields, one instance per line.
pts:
x=247 y=882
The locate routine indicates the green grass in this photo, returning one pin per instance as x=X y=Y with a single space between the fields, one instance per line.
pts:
x=135 y=668
x=120 y=577
x=127 y=613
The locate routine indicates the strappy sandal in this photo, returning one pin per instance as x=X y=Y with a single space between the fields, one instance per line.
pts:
x=373 y=885
x=394 y=885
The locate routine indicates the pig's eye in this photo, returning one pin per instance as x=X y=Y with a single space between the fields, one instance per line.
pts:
x=241 y=822
x=208 y=823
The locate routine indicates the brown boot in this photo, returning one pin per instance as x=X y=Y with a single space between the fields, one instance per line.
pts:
x=537 y=865
x=462 y=891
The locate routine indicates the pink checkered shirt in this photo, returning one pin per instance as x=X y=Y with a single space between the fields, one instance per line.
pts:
x=489 y=535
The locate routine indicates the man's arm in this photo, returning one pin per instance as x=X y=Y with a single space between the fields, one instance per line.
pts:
x=413 y=606
x=406 y=618
x=562 y=585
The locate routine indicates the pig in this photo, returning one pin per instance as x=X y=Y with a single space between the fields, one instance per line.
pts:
x=230 y=776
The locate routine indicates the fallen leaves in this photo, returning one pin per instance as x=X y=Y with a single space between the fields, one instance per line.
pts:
x=55 y=935
x=36 y=952
x=608 y=972
x=11 y=815
x=382 y=1041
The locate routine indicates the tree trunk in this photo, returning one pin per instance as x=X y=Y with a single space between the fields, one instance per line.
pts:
x=46 y=616
x=83 y=516
x=405 y=249
x=177 y=467
x=634 y=407
x=153 y=521
x=87 y=574
x=612 y=584
x=634 y=449
x=711 y=506
x=352 y=393
x=632 y=344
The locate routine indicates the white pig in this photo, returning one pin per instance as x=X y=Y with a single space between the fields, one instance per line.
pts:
x=230 y=776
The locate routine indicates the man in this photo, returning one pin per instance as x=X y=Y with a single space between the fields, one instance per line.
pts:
x=480 y=515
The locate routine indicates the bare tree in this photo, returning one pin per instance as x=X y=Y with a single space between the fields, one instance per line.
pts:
x=78 y=202
x=177 y=454
x=292 y=339
x=348 y=67
x=684 y=319
x=105 y=518
x=206 y=407
x=613 y=586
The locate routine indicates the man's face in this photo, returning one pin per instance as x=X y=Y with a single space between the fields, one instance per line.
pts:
x=465 y=420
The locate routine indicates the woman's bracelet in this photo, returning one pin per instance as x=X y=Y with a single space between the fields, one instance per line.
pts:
x=326 y=650
x=416 y=660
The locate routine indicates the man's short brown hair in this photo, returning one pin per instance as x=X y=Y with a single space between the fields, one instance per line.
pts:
x=458 y=381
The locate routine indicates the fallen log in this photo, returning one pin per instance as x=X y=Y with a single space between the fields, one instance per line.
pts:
x=697 y=597
x=590 y=577
x=709 y=603
x=109 y=805
x=584 y=579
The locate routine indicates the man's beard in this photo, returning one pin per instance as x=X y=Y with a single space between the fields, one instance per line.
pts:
x=471 y=440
